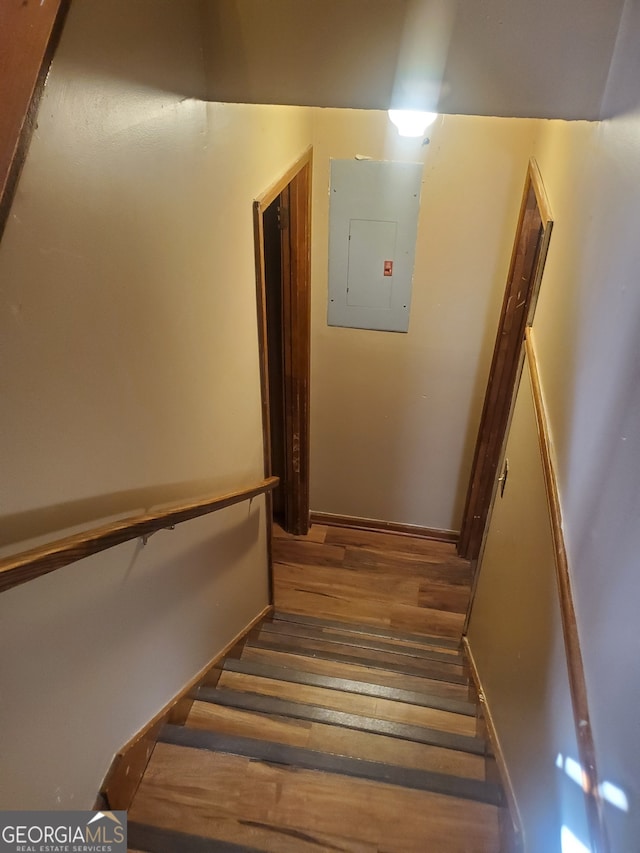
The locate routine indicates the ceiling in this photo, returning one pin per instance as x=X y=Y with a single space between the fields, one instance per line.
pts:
x=542 y=59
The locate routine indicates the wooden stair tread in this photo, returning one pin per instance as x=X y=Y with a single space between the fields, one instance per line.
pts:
x=385 y=545
x=356 y=671
x=385 y=660
x=348 y=685
x=228 y=835
x=429 y=569
x=337 y=593
x=342 y=722
x=352 y=703
x=348 y=639
x=394 y=543
x=308 y=759
x=158 y=840
x=285 y=708
x=335 y=739
x=209 y=794
x=368 y=630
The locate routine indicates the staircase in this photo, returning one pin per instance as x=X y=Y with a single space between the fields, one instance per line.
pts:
x=322 y=735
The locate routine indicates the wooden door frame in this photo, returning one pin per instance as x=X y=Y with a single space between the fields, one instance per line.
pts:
x=296 y=337
x=503 y=379
x=28 y=40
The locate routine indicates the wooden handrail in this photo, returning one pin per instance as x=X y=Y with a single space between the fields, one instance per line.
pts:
x=28 y=565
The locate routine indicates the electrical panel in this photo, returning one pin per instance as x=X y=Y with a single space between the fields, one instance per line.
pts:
x=373 y=223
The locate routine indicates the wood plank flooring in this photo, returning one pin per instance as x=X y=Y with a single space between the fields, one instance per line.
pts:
x=343 y=722
x=404 y=583
x=265 y=807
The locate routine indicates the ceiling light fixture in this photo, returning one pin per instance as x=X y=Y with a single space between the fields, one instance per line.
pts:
x=412 y=122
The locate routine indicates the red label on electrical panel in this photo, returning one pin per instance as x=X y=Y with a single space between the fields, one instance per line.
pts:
x=388 y=267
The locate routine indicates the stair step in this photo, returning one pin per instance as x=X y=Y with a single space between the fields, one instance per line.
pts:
x=245 y=833
x=372 y=630
x=335 y=740
x=322 y=734
x=297 y=710
x=309 y=759
x=385 y=601
x=359 y=641
x=294 y=810
x=141 y=836
x=337 y=700
x=356 y=672
x=382 y=660
x=283 y=673
x=388 y=542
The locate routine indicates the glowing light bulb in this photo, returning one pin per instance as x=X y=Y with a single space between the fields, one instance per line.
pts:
x=411 y=122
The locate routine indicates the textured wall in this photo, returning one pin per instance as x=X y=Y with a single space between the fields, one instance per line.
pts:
x=516 y=638
x=129 y=377
x=587 y=334
x=586 y=331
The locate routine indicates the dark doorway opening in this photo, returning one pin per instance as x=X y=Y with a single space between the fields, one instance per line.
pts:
x=275 y=352
x=283 y=265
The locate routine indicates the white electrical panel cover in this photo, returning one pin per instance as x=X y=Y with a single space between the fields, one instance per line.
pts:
x=373 y=223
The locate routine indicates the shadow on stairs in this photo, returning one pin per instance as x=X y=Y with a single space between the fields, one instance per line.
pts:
x=318 y=734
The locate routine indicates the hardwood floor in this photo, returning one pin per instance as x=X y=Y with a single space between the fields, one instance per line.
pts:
x=385 y=580
x=345 y=721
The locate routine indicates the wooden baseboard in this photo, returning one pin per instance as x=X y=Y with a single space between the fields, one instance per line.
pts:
x=512 y=837
x=127 y=768
x=377 y=526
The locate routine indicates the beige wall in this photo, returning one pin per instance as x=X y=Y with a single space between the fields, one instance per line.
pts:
x=129 y=377
x=92 y=652
x=516 y=640
x=395 y=416
x=586 y=330
x=587 y=333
